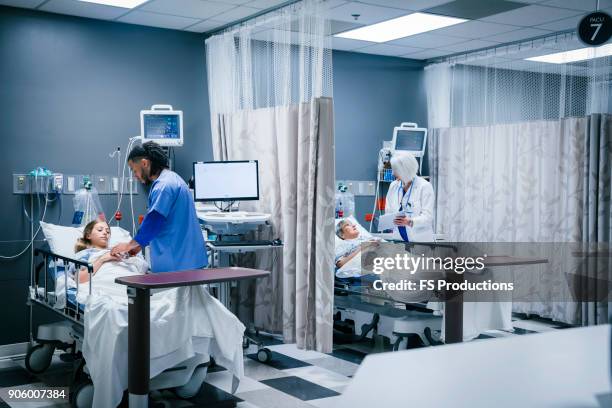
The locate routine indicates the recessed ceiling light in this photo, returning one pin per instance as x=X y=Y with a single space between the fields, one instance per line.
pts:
x=117 y=3
x=580 y=54
x=400 y=27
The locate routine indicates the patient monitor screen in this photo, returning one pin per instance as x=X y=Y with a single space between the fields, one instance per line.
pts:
x=161 y=126
x=226 y=181
x=410 y=140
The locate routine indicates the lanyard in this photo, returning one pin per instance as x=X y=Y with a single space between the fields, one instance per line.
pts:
x=401 y=196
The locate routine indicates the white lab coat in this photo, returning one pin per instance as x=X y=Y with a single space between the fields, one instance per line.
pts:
x=421 y=202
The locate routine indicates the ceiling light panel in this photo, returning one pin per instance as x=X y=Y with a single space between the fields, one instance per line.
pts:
x=117 y=3
x=580 y=54
x=400 y=27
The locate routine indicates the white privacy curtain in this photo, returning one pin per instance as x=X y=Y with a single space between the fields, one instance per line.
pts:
x=270 y=96
x=513 y=147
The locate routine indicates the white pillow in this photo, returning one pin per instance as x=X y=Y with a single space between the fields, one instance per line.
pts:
x=62 y=239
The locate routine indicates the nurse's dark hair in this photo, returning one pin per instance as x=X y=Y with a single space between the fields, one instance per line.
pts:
x=152 y=152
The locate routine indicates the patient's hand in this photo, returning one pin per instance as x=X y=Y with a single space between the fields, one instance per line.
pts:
x=108 y=257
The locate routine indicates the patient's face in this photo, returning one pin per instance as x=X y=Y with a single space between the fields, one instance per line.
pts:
x=350 y=231
x=99 y=236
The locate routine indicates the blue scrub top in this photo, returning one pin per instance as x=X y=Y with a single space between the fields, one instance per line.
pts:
x=179 y=244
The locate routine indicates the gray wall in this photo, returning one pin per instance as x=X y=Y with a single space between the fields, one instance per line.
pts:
x=71 y=90
x=372 y=95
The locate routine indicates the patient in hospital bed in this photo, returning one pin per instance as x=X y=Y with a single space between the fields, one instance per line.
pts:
x=92 y=247
x=352 y=241
x=184 y=321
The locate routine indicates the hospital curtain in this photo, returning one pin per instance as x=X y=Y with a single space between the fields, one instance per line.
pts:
x=520 y=152
x=540 y=181
x=270 y=97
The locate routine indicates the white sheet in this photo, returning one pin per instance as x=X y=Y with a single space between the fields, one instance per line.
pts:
x=184 y=321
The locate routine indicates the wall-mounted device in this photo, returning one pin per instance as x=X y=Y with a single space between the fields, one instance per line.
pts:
x=163 y=125
x=408 y=137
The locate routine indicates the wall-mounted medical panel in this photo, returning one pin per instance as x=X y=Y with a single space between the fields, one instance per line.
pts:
x=71 y=183
x=359 y=187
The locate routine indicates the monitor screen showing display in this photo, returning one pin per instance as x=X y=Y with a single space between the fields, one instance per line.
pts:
x=161 y=126
x=226 y=180
x=411 y=140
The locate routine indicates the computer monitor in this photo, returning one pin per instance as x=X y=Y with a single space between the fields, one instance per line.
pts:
x=162 y=125
x=410 y=139
x=226 y=180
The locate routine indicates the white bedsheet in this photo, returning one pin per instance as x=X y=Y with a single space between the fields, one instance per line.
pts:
x=184 y=321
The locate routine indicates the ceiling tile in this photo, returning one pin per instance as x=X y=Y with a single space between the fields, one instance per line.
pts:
x=427 y=40
x=187 y=8
x=22 y=3
x=368 y=14
x=385 y=49
x=414 y=5
x=469 y=46
x=348 y=44
x=518 y=35
x=265 y=4
x=83 y=9
x=157 y=20
x=474 y=9
x=236 y=14
x=533 y=15
x=584 y=5
x=562 y=25
x=426 y=54
x=474 y=29
x=341 y=26
x=235 y=2
x=204 y=26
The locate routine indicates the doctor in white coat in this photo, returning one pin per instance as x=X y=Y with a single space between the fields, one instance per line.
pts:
x=413 y=198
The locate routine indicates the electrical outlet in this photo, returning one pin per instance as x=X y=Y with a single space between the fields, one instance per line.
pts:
x=58 y=182
x=115 y=185
x=20 y=183
x=70 y=184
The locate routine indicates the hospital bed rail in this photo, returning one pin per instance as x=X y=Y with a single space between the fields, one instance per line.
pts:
x=41 y=295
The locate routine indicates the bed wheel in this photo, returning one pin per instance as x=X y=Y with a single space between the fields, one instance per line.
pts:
x=38 y=358
x=264 y=355
x=82 y=395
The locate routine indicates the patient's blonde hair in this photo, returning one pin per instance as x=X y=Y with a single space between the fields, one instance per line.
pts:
x=84 y=242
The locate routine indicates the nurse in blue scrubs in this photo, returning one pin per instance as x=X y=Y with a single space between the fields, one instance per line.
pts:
x=170 y=227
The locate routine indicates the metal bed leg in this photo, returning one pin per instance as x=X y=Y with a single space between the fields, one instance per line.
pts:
x=138 y=347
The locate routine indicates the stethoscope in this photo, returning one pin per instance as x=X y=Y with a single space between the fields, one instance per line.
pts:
x=401 y=196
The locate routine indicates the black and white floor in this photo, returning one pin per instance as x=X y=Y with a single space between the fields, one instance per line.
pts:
x=294 y=378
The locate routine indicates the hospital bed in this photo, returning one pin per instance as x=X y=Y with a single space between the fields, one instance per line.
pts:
x=376 y=313
x=184 y=379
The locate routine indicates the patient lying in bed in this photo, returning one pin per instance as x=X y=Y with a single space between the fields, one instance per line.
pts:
x=184 y=321
x=92 y=247
x=349 y=246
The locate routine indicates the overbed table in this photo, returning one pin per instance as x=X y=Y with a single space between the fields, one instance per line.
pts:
x=453 y=306
x=139 y=291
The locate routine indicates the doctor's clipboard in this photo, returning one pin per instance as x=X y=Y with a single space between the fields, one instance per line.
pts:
x=415 y=234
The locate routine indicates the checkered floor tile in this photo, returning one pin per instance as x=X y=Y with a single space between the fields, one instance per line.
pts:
x=293 y=379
